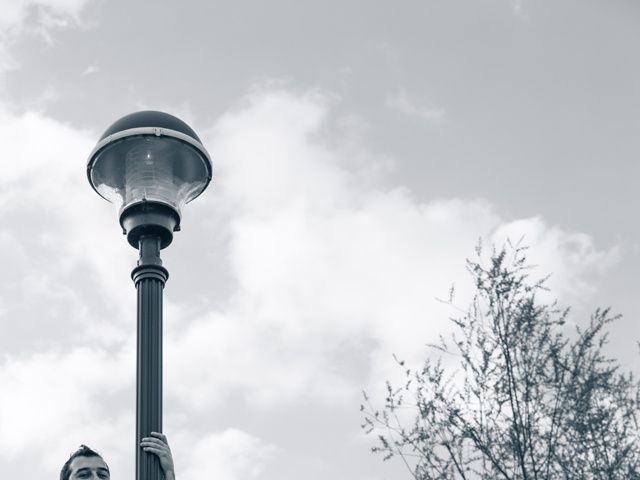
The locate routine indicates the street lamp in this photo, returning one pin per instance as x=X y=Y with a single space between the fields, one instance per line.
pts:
x=149 y=164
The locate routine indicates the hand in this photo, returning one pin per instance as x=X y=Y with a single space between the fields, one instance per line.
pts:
x=158 y=445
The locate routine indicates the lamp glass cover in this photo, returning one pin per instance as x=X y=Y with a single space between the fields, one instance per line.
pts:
x=149 y=167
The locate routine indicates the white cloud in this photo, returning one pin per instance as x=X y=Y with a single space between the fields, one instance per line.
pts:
x=517 y=6
x=90 y=70
x=38 y=17
x=228 y=455
x=329 y=268
x=570 y=257
x=402 y=102
x=63 y=395
x=62 y=239
x=330 y=274
x=14 y=13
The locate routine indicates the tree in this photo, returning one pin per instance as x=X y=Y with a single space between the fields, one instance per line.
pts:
x=529 y=401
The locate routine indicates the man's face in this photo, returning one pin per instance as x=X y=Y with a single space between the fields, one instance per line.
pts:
x=89 y=468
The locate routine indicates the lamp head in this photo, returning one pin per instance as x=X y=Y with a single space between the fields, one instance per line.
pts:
x=149 y=164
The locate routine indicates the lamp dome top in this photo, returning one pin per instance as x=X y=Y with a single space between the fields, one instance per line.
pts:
x=150 y=118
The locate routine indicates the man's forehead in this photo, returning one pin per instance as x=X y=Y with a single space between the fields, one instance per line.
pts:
x=92 y=463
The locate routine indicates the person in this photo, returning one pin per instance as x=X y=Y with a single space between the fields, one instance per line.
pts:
x=87 y=464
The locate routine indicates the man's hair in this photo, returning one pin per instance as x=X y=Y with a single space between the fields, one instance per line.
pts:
x=83 y=451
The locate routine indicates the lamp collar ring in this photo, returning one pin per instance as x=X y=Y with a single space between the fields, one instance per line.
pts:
x=156 y=131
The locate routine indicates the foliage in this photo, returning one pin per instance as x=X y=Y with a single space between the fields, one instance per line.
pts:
x=528 y=402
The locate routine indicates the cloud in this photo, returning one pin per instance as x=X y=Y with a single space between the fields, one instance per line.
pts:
x=402 y=102
x=572 y=256
x=325 y=266
x=228 y=455
x=62 y=395
x=332 y=274
x=62 y=241
x=90 y=70
x=328 y=271
x=517 y=6
x=14 y=13
x=40 y=17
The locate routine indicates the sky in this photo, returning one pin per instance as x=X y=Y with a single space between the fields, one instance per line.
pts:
x=360 y=149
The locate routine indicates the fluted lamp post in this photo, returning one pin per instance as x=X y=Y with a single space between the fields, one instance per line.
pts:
x=149 y=164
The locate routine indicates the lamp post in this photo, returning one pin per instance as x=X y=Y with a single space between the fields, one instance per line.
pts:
x=150 y=164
